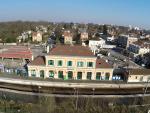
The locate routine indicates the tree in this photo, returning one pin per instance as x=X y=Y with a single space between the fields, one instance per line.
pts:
x=105 y=30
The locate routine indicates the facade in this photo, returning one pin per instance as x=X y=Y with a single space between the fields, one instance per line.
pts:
x=84 y=36
x=95 y=45
x=70 y=62
x=139 y=75
x=125 y=40
x=68 y=37
x=37 y=36
x=139 y=48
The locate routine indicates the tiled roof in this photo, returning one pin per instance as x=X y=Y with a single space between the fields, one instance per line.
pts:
x=67 y=33
x=141 y=44
x=139 y=72
x=71 y=50
x=40 y=60
x=16 y=52
x=100 y=63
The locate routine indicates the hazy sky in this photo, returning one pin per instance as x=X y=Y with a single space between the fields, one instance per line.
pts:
x=120 y=12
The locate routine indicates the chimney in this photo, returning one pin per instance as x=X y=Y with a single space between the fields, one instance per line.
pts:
x=47 y=49
x=32 y=58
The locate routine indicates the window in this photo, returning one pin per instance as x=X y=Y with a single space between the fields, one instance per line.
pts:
x=60 y=74
x=89 y=75
x=51 y=62
x=107 y=76
x=60 y=63
x=80 y=64
x=70 y=74
x=42 y=73
x=33 y=73
x=79 y=75
x=69 y=63
x=51 y=74
x=136 y=77
x=90 y=64
x=98 y=76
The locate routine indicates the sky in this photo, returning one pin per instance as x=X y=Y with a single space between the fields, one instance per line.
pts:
x=118 y=12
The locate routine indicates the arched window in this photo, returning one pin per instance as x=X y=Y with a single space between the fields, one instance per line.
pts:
x=89 y=75
x=70 y=74
x=60 y=75
x=51 y=74
x=79 y=75
x=33 y=73
x=98 y=76
x=42 y=73
x=107 y=75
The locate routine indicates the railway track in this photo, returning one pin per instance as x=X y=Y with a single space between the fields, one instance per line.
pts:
x=72 y=91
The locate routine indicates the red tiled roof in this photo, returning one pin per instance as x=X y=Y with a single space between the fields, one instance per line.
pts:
x=40 y=60
x=71 y=50
x=67 y=33
x=17 y=52
x=100 y=63
x=139 y=71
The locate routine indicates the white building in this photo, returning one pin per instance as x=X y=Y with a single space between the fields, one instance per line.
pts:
x=139 y=48
x=109 y=39
x=37 y=36
x=125 y=40
x=96 y=44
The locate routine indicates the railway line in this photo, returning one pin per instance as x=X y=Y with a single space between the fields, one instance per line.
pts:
x=67 y=88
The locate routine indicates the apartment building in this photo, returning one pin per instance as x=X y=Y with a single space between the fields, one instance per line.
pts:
x=70 y=62
x=139 y=48
x=68 y=37
x=125 y=40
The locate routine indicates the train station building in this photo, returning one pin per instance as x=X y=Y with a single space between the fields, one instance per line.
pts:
x=70 y=62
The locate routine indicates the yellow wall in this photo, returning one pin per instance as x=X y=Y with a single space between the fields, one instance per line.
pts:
x=73 y=68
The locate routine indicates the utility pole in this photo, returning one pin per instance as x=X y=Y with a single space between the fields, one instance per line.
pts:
x=77 y=99
x=145 y=91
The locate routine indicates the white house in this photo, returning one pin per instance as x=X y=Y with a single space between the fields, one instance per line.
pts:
x=96 y=44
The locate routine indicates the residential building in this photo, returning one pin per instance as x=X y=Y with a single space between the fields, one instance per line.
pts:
x=138 y=75
x=84 y=36
x=125 y=40
x=146 y=59
x=37 y=36
x=68 y=37
x=139 y=48
x=96 y=44
x=70 y=62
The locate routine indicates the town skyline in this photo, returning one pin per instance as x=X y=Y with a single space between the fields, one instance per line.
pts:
x=117 y=12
